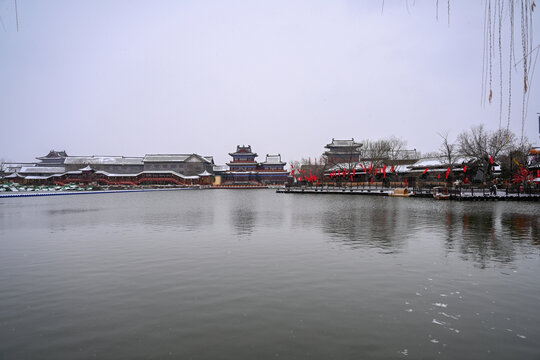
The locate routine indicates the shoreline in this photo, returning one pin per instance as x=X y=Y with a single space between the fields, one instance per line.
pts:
x=464 y=196
x=63 y=193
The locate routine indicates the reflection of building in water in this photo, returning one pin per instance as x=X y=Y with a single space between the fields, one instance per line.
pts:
x=245 y=170
x=244 y=221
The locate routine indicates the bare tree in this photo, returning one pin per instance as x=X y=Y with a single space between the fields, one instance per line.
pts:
x=447 y=150
x=482 y=145
x=384 y=151
x=2 y=168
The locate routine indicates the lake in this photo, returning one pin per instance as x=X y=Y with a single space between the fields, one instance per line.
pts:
x=251 y=274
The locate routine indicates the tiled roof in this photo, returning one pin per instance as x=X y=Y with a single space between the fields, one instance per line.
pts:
x=243 y=150
x=42 y=170
x=53 y=154
x=345 y=143
x=176 y=158
x=274 y=159
x=103 y=160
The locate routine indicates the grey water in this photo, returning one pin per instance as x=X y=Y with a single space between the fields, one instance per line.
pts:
x=251 y=274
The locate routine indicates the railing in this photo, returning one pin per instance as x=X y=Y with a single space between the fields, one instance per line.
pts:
x=462 y=191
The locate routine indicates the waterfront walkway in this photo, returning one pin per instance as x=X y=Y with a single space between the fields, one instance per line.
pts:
x=455 y=194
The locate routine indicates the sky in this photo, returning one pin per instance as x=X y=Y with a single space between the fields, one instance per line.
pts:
x=136 y=77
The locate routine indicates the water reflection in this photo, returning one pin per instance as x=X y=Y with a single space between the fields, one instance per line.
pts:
x=243 y=221
x=357 y=228
x=355 y=222
x=487 y=235
x=481 y=233
x=243 y=212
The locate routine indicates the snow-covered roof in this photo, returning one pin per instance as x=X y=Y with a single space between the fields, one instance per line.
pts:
x=440 y=162
x=148 y=172
x=18 y=165
x=253 y=163
x=361 y=170
x=42 y=170
x=243 y=150
x=220 y=168
x=33 y=177
x=428 y=162
x=54 y=154
x=345 y=143
x=205 y=173
x=177 y=158
x=103 y=160
x=13 y=176
x=273 y=159
x=87 y=168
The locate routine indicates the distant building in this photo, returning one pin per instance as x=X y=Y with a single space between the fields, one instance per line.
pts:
x=12 y=168
x=342 y=151
x=187 y=164
x=245 y=170
x=243 y=159
x=110 y=164
x=271 y=170
x=53 y=158
x=153 y=169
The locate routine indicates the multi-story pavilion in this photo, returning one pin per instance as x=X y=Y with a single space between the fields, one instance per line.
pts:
x=342 y=151
x=245 y=170
x=271 y=171
x=243 y=159
x=53 y=158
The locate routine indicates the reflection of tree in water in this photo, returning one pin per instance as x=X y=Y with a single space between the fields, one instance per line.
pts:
x=484 y=237
x=368 y=227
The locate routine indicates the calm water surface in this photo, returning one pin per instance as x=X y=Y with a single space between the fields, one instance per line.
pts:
x=225 y=274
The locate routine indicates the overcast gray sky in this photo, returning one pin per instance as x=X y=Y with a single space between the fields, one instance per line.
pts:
x=136 y=77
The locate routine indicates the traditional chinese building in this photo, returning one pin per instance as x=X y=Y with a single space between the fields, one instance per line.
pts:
x=271 y=171
x=245 y=170
x=53 y=158
x=342 y=151
x=57 y=168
